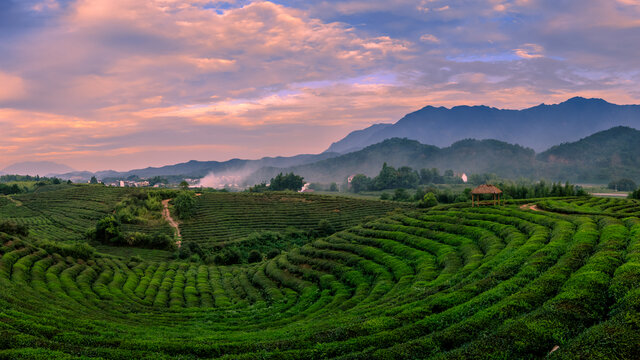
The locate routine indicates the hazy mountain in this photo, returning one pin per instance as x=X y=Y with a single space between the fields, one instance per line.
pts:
x=539 y=127
x=604 y=156
x=599 y=158
x=198 y=169
x=469 y=156
x=42 y=168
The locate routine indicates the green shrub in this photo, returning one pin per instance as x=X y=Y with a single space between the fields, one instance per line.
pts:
x=227 y=256
x=429 y=200
x=13 y=228
x=254 y=256
x=184 y=204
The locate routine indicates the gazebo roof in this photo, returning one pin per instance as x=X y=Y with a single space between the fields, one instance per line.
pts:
x=486 y=189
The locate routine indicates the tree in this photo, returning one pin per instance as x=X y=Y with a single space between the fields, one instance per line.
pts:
x=184 y=204
x=623 y=185
x=93 y=180
x=401 y=195
x=254 y=256
x=325 y=228
x=288 y=181
x=360 y=183
x=333 y=187
x=635 y=194
x=184 y=185
x=429 y=200
x=407 y=178
x=386 y=179
x=108 y=230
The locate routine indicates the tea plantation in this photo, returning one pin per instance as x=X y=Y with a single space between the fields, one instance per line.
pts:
x=452 y=282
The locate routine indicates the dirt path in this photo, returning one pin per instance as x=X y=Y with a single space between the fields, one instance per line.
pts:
x=621 y=195
x=533 y=207
x=166 y=214
x=16 y=202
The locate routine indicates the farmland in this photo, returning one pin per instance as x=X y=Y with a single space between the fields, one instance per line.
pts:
x=450 y=282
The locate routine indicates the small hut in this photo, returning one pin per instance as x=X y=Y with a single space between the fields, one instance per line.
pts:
x=485 y=189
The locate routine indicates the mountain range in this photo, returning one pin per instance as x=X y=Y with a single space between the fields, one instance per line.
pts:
x=42 y=168
x=598 y=158
x=538 y=127
x=578 y=136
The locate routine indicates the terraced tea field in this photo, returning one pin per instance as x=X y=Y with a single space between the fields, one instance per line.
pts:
x=224 y=217
x=450 y=283
x=61 y=212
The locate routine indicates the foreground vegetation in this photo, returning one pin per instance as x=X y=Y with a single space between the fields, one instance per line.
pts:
x=448 y=282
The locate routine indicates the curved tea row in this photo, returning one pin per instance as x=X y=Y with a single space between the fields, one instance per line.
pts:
x=456 y=282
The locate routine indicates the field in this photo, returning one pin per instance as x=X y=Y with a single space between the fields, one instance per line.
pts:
x=452 y=282
x=227 y=217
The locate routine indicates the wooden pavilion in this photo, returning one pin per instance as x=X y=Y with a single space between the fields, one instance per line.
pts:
x=485 y=189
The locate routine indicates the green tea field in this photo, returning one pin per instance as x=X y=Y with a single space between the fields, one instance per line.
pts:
x=557 y=279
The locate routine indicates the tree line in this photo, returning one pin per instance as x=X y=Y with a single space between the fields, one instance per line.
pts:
x=281 y=182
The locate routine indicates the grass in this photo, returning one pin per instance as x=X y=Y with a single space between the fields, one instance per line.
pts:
x=227 y=217
x=452 y=282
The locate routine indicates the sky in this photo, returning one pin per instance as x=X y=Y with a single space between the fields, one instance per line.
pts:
x=123 y=84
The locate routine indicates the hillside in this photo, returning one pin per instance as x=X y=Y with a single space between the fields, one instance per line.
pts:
x=607 y=155
x=599 y=158
x=453 y=282
x=33 y=168
x=571 y=120
x=471 y=156
x=229 y=217
x=198 y=169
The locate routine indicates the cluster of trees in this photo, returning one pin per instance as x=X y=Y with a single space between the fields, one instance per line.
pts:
x=402 y=178
x=622 y=185
x=255 y=248
x=140 y=208
x=540 y=189
x=510 y=190
x=13 y=228
x=635 y=194
x=323 y=187
x=281 y=182
x=6 y=189
x=184 y=204
x=108 y=231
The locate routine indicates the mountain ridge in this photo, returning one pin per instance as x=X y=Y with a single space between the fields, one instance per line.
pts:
x=42 y=168
x=600 y=157
x=570 y=120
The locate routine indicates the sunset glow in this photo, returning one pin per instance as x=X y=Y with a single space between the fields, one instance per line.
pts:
x=120 y=84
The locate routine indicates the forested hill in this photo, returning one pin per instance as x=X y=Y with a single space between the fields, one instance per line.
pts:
x=538 y=127
x=602 y=157
x=610 y=154
x=475 y=156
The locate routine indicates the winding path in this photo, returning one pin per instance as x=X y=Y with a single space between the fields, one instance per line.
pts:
x=533 y=207
x=166 y=214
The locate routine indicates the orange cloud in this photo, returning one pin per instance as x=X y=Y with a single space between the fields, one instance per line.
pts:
x=12 y=87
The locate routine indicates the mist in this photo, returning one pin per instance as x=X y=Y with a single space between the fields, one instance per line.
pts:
x=234 y=179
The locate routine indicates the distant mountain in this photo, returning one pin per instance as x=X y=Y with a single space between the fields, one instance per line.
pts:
x=539 y=127
x=42 y=168
x=470 y=156
x=198 y=169
x=599 y=158
x=606 y=155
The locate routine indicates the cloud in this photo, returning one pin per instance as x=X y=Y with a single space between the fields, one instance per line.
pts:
x=529 y=51
x=429 y=38
x=12 y=87
x=133 y=83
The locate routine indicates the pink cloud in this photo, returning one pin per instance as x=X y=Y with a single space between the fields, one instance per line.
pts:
x=12 y=87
